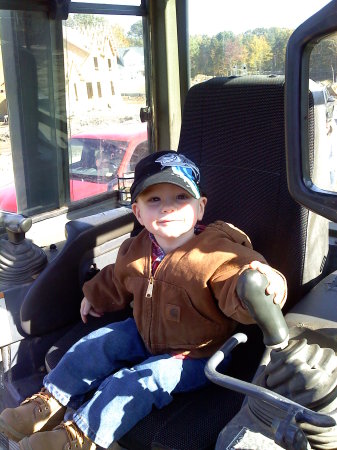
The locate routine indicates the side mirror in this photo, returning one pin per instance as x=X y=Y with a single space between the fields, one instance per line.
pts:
x=311 y=146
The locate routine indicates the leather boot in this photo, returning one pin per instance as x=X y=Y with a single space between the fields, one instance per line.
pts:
x=66 y=436
x=39 y=412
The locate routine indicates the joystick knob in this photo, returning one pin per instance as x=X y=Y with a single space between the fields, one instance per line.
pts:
x=251 y=289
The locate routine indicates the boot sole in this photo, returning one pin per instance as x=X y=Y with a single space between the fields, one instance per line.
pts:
x=9 y=432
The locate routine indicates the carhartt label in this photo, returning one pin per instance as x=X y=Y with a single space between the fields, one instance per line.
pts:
x=172 y=312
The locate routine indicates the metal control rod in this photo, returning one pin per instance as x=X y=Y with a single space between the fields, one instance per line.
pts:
x=302 y=414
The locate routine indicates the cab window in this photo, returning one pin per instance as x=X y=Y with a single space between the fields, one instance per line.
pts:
x=84 y=78
x=253 y=44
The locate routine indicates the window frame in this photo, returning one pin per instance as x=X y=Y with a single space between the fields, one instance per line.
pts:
x=61 y=201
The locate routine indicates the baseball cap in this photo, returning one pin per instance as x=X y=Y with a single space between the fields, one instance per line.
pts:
x=166 y=167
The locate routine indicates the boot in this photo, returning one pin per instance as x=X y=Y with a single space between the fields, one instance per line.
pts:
x=66 y=436
x=39 y=412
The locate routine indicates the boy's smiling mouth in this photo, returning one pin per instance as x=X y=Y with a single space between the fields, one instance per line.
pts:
x=164 y=221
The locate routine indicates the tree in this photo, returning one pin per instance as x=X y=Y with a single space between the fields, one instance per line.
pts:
x=135 y=34
x=117 y=36
x=323 y=61
x=221 y=59
x=200 y=60
x=84 y=21
x=259 y=54
x=91 y=24
x=259 y=50
x=235 y=56
x=278 y=40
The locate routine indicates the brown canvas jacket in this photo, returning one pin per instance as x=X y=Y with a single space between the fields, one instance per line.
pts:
x=190 y=305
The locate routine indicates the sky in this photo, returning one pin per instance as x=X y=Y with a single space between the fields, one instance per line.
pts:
x=243 y=15
x=212 y=16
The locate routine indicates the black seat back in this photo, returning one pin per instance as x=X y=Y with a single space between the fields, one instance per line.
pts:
x=233 y=128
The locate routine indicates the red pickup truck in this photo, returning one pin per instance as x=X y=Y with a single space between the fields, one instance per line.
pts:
x=96 y=159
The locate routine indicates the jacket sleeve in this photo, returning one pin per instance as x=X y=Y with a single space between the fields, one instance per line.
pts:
x=106 y=291
x=223 y=284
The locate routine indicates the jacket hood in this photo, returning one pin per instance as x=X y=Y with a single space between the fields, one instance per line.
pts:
x=231 y=232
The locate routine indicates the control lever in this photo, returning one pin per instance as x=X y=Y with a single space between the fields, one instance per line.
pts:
x=20 y=259
x=251 y=289
x=290 y=438
x=16 y=226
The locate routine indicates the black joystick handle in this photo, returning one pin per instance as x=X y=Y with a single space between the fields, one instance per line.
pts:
x=251 y=289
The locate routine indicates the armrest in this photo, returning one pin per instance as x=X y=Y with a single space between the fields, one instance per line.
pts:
x=54 y=298
x=10 y=303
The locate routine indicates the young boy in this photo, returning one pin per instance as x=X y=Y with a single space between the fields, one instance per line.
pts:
x=181 y=279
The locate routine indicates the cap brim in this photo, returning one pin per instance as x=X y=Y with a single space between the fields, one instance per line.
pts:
x=166 y=176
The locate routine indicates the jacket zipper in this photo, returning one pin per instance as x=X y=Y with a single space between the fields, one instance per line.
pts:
x=149 y=289
x=148 y=296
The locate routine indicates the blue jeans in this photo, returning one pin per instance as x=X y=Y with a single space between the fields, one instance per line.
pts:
x=123 y=395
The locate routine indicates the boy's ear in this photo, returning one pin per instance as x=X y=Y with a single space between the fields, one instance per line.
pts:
x=202 y=205
x=136 y=212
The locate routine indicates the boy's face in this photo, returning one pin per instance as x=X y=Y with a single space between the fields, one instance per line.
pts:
x=168 y=211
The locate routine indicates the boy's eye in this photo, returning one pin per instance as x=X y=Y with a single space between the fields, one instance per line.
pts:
x=182 y=197
x=153 y=199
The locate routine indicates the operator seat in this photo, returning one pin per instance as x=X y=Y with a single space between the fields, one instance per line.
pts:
x=233 y=128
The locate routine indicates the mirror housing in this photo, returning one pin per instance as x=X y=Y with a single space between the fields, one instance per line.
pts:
x=300 y=44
